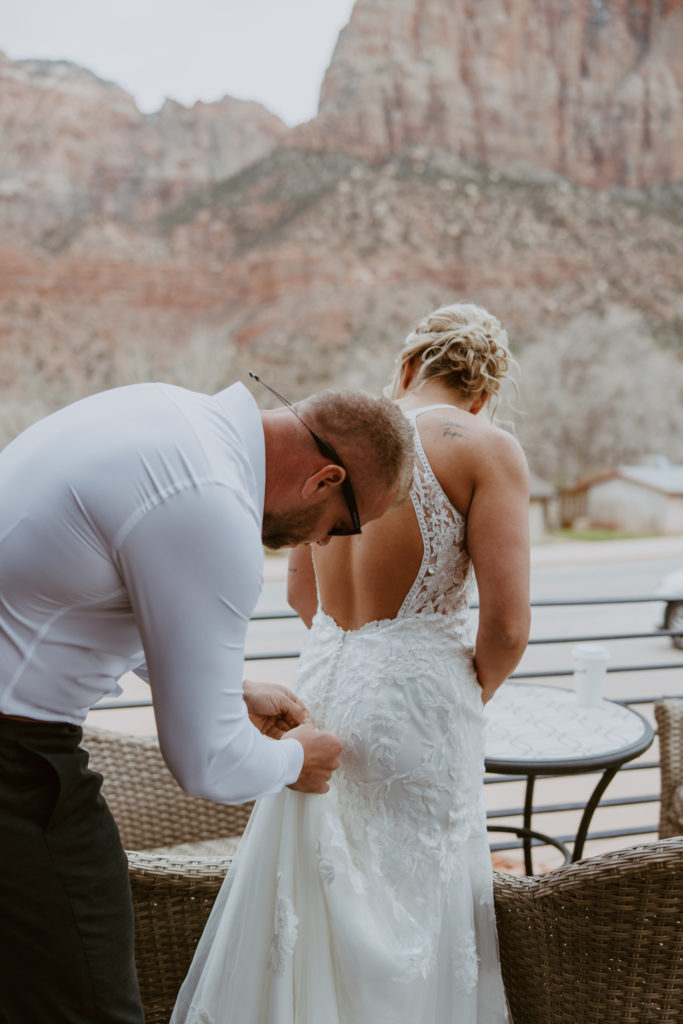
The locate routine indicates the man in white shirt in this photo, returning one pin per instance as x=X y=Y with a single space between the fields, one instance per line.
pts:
x=131 y=531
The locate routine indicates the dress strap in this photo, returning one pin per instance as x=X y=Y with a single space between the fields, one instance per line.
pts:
x=412 y=414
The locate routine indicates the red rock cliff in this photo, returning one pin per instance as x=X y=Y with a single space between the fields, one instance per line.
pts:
x=592 y=89
x=74 y=146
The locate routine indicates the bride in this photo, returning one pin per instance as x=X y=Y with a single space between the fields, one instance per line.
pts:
x=372 y=904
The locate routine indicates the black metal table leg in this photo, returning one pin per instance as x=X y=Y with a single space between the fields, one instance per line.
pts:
x=528 y=810
x=584 y=824
x=527 y=835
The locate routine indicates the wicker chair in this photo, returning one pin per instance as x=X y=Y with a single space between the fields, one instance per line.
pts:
x=174 y=880
x=597 y=942
x=669 y=715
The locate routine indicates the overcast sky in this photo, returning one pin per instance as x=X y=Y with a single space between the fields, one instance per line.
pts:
x=273 y=51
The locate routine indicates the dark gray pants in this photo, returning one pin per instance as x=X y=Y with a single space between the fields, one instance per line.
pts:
x=66 y=916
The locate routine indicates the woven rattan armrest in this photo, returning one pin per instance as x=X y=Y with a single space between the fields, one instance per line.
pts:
x=669 y=715
x=598 y=941
x=172 y=900
x=148 y=805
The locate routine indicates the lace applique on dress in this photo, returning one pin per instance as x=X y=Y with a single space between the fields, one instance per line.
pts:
x=325 y=865
x=199 y=1017
x=445 y=578
x=285 y=931
x=466 y=963
x=418 y=967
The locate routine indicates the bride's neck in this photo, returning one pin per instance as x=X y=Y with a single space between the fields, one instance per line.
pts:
x=432 y=392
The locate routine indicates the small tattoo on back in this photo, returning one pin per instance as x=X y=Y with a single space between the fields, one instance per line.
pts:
x=453 y=429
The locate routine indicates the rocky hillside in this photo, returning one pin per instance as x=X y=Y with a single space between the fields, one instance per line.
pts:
x=193 y=244
x=317 y=264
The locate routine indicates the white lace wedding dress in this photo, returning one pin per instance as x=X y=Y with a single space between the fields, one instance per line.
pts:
x=373 y=903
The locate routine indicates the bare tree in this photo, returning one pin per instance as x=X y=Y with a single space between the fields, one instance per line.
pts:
x=600 y=393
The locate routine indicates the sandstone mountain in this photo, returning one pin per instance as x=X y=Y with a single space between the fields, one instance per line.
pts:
x=192 y=244
x=591 y=89
x=74 y=147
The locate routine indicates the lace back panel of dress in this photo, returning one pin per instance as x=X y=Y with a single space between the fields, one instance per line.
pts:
x=444 y=582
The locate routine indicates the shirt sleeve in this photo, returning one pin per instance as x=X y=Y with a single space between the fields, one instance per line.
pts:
x=192 y=566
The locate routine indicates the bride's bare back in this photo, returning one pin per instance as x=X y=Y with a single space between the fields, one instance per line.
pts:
x=368 y=577
x=483 y=474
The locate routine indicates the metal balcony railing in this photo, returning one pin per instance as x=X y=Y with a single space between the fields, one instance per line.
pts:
x=630 y=807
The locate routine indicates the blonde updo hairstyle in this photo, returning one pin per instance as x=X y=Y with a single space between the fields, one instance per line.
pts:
x=466 y=346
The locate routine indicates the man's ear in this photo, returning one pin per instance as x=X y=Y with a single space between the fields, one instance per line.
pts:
x=329 y=476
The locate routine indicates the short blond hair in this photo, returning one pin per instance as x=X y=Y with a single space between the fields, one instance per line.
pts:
x=465 y=345
x=369 y=432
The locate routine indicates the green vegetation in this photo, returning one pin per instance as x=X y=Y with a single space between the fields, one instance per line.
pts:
x=290 y=180
x=594 y=533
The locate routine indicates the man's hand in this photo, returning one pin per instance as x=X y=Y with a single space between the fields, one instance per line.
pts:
x=321 y=758
x=274 y=709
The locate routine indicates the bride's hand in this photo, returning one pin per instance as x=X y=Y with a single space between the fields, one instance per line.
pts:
x=274 y=709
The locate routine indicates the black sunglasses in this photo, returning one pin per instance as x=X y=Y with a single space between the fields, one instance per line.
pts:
x=326 y=449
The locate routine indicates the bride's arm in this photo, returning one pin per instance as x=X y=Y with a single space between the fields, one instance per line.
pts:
x=302 y=594
x=498 y=541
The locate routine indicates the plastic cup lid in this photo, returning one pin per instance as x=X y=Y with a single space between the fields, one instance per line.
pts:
x=591 y=652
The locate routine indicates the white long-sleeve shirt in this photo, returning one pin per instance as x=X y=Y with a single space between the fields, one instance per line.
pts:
x=130 y=533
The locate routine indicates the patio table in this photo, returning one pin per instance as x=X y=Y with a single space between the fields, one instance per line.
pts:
x=535 y=729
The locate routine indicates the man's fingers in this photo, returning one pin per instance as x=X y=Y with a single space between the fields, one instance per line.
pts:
x=296 y=712
x=321 y=758
x=292 y=708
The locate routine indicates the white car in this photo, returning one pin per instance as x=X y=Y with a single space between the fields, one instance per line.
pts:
x=671 y=591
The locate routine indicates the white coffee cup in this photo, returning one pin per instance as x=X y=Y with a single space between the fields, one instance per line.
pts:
x=590 y=670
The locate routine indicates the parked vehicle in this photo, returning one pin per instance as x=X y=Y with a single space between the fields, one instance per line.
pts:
x=671 y=591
